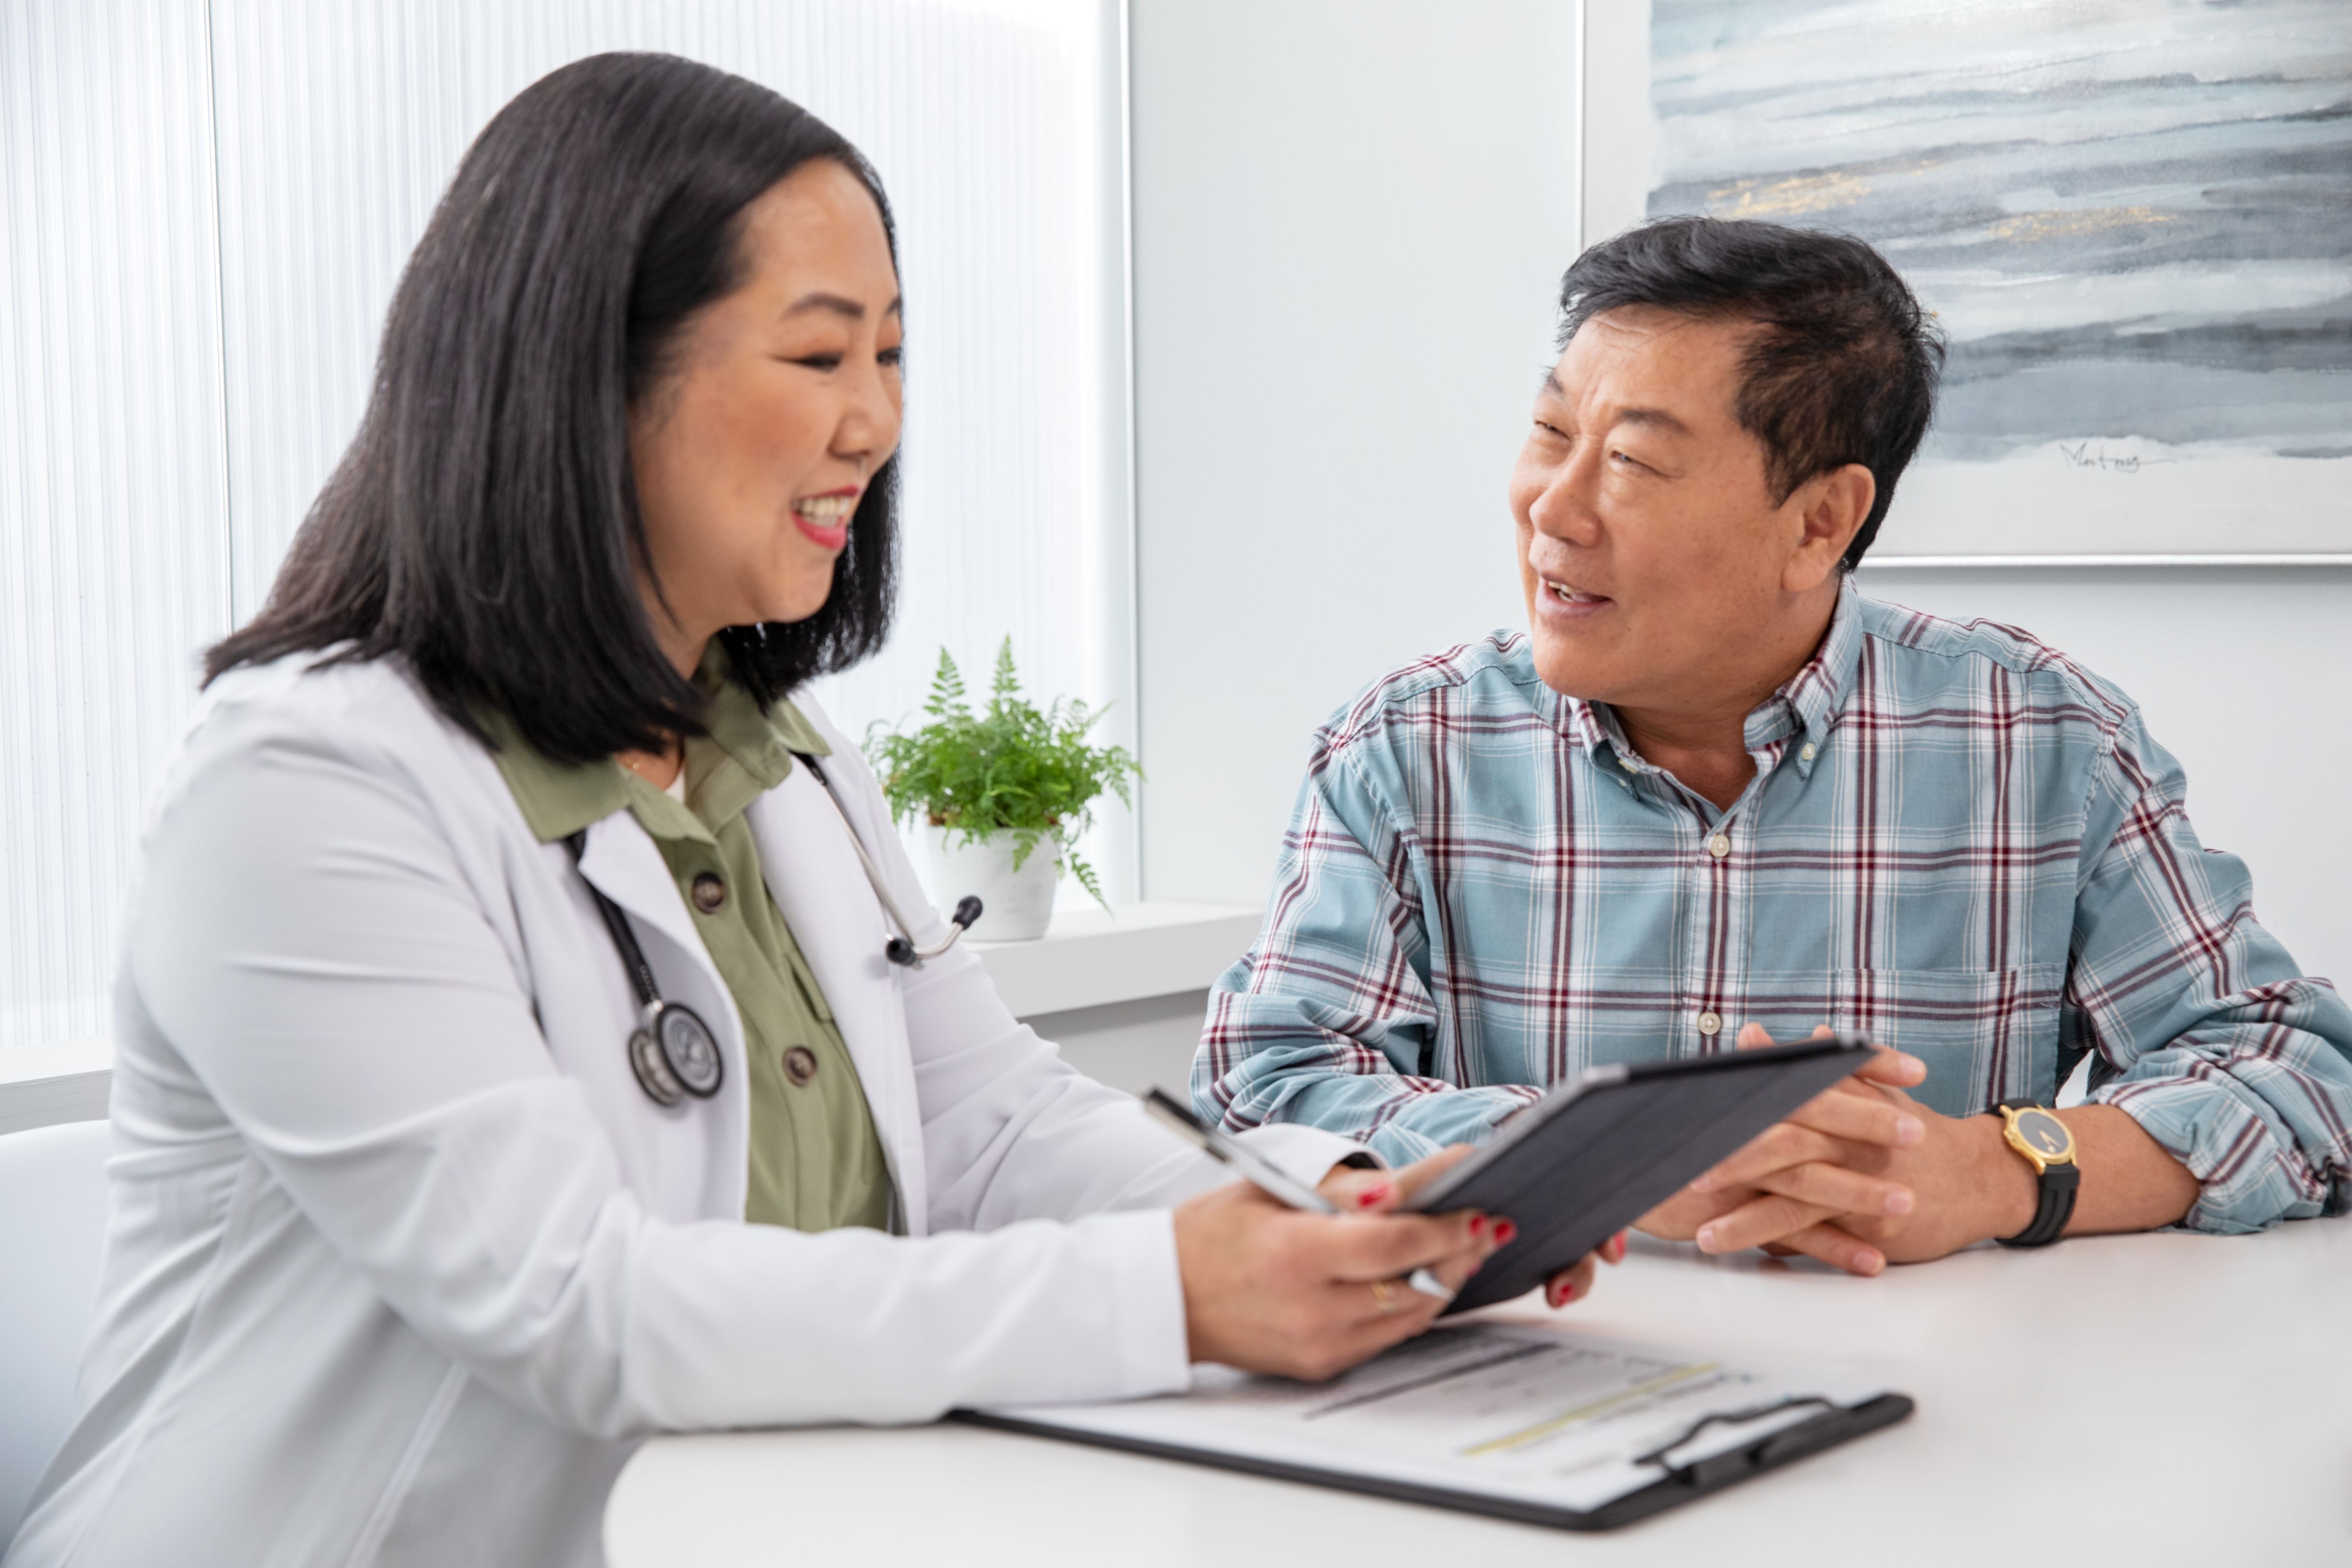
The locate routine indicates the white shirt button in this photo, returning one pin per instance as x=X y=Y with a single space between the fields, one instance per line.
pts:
x=1807 y=751
x=1718 y=846
x=1710 y=1024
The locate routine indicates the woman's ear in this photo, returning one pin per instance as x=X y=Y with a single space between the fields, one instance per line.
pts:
x=1833 y=507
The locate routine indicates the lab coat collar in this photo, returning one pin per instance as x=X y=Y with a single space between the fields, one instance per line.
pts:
x=813 y=873
x=621 y=860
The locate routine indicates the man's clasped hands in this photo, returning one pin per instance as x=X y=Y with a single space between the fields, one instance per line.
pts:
x=1860 y=1176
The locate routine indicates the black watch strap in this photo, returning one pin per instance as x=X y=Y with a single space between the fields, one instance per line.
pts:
x=2059 y=1185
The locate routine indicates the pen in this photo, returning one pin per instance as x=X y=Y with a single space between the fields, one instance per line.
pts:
x=1263 y=1174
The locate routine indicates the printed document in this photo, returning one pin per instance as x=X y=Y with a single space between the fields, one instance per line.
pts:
x=1503 y=1409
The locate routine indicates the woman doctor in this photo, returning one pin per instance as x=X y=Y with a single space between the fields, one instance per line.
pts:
x=410 y=1238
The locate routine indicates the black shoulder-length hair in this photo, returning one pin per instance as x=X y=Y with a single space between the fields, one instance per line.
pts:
x=484 y=527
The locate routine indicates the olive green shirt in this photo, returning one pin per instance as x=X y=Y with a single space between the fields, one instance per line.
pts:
x=816 y=1159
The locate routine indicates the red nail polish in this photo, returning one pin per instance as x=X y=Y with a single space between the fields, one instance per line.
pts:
x=1478 y=1225
x=1371 y=1195
x=1504 y=1231
x=1617 y=1248
x=1563 y=1293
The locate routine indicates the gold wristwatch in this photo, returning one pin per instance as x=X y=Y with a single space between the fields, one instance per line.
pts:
x=2048 y=1146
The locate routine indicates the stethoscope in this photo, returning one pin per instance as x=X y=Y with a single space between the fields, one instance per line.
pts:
x=671 y=1050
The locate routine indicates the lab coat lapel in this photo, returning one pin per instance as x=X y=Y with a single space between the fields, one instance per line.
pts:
x=621 y=860
x=812 y=868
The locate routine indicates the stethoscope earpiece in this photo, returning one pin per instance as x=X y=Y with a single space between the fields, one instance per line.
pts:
x=905 y=954
x=899 y=949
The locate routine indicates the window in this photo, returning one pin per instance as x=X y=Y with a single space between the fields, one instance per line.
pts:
x=208 y=207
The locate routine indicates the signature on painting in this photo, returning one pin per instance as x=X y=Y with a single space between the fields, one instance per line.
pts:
x=2091 y=455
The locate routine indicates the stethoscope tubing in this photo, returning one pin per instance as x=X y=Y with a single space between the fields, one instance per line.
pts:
x=633 y=956
x=901 y=949
x=672 y=1051
x=669 y=1072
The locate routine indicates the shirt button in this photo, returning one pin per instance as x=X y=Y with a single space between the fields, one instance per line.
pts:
x=1710 y=1025
x=1807 y=751
x=799 y=1065
x=709 y=893
x=1718 y=846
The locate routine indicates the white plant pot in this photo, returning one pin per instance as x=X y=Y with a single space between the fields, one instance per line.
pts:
x=1016 y=905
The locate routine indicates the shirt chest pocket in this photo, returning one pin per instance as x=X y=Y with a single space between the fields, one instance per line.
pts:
x=1986 y=1035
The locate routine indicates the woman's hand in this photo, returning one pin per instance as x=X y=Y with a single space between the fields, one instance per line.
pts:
x=1270 y=1289
x=1369 y=1192
x=1574 y=1282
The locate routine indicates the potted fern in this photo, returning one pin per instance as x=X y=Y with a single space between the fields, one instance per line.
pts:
x=1003 y=794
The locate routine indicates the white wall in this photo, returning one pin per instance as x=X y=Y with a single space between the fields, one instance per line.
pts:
x=1350 y=222
x=1349 y=219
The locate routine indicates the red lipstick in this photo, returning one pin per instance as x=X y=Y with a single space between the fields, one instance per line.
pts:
x=826 y=535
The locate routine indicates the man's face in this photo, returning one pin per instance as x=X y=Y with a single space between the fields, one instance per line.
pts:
x=1655 y=560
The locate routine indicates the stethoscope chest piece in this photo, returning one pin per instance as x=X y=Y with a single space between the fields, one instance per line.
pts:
x=673 y=1055
x=672 y=1051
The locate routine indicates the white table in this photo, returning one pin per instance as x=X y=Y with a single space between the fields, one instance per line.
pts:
x=2145 y=1399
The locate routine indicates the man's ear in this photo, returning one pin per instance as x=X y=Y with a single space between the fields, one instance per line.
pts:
x=1833 y=506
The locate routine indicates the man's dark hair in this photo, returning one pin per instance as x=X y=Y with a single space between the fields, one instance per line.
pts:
x=1842 y=367
x=483 y=525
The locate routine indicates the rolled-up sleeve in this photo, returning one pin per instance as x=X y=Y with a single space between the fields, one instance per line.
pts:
x=2205 y=1031
x=1329 y=1020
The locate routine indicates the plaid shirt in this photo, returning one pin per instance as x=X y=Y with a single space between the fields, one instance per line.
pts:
x=1955 y=841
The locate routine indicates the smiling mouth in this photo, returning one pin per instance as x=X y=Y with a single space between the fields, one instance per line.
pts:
x=826 y=511
x=1562 y=593
x=824 y=521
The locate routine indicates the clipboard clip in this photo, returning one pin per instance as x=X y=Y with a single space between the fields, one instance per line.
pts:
x=1716 y=1467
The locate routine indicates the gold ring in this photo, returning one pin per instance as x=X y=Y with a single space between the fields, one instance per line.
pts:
x=1384 y=1295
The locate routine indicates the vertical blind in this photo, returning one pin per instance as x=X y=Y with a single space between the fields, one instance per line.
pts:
x=208 y=207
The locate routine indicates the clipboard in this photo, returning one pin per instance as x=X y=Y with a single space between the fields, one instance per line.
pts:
x=1711 y=1437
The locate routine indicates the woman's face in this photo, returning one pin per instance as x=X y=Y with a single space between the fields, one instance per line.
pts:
x=779 y=402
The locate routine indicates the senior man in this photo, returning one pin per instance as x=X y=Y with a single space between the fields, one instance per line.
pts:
x=1715 y=786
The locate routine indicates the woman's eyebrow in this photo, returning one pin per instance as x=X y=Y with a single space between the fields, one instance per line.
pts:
x=838 y=305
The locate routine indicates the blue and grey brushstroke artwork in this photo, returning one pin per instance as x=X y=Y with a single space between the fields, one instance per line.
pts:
x=2133 y=217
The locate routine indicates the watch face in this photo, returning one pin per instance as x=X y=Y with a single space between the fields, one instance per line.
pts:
x=2044 y=1134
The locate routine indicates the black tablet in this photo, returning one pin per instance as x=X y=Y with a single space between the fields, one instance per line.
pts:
x=1600 y=1151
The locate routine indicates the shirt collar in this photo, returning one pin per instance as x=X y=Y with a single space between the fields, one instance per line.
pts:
x=557 y=799
x=1806 y=702
x=744 y=752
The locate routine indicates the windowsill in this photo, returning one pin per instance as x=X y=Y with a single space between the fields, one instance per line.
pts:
x=42 y=1086
x=59 y=1059
x=1091 y=959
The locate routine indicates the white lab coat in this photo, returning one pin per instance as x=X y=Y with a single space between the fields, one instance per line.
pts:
x=401 y=1260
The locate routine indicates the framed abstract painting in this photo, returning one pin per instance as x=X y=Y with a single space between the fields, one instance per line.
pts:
x=2132 y=219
